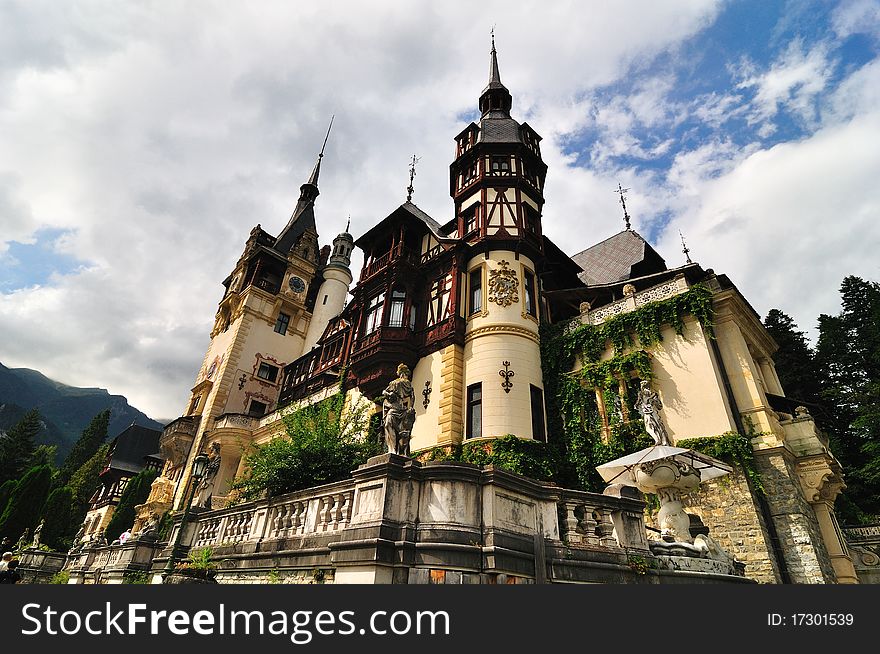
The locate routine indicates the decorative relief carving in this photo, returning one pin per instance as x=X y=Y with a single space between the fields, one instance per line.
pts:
x=503 y=285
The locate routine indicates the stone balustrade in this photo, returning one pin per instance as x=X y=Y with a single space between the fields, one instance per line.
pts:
x=630 y=303
x=312 y=511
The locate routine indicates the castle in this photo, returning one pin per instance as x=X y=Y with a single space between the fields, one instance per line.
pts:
x=465 y=302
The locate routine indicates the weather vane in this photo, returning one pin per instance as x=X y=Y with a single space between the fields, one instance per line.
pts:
x=622 y=192
x=348 y=223
x=492 y=32
x=684 y=248
x=412 y=174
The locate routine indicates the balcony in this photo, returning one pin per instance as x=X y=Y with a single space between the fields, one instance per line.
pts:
x=397 y=254
x=236 y=421
x=177 y=437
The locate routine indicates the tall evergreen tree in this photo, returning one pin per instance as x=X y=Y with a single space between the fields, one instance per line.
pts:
x=18 y=446
x=5 y=493
x=58 y=531
x=136 y=492
x=795 y=360
x=86 y=481
x=848 y=354
x=26 y=503
x=93 y=436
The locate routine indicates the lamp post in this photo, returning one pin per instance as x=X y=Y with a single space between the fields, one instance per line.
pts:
x=198 y=469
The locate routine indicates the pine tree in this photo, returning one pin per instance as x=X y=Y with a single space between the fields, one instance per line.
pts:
x=26 y=503
x=93 y=436
x=136 y=492
x=848 y=354
x=18 y=447
x=5 y=493
x=58 y=531
x=86 y=480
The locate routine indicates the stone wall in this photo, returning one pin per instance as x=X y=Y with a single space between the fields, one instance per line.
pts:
x=864 y=546
x=806 y=558
x=729 y=509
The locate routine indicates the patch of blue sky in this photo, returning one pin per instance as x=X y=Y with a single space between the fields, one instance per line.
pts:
x=25 y=265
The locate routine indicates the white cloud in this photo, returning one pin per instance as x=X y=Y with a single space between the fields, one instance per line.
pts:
x=160 y=134
x=791 y=84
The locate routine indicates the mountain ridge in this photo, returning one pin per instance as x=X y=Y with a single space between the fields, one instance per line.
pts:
x=66 y=409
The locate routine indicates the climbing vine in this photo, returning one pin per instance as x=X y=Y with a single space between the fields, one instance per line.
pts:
x=521 y=456
x=730 y=447
x=589 y=426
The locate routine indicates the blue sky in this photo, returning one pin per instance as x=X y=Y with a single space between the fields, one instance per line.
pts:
x=141 y=143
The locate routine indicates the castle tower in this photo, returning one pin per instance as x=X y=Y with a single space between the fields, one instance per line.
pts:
x=331 y=295
x=261 y=326
x=496 y=182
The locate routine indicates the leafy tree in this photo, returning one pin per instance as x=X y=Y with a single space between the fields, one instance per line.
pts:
x=93 y=436
x=795 y=360
x=19 y=445
x=848 y=354
x=44 y=455
x=136 y=492
x=26 y=502
x=324 y=443
x=58 y=531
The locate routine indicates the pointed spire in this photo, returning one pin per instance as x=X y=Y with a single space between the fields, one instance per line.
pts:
x=303 y=216
x=494 y=73
x=495 y=97
x=313 y=178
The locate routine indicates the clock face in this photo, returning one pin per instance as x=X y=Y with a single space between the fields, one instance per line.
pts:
x=297 y=285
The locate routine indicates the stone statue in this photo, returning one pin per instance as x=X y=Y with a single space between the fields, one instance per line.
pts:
x=398 y=411
x=23 y=540
x=675 y=523
x=205 y=489
x=648 y=404
x=101 y=539
x=151 y=526
x=37 y=533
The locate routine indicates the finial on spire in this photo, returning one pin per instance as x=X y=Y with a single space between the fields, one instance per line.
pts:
x=313 y=179
x=348 y=223
x=622 y=192
x=492 y=32
x=684 y=248
x=329 y=127
x=412 y=174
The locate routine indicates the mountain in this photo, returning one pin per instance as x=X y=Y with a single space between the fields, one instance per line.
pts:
x=66 y=409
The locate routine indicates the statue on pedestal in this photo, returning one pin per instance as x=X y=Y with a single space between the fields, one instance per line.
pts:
x=398 y=411
x=37 y=533
x=23 y=540
x=648 y=404
x=205 y=489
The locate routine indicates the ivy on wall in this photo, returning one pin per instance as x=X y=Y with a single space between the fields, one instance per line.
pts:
x=730 y=447
x=577 y=427
x=523 y=457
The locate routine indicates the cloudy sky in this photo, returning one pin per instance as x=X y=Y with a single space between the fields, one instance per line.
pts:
x=140 y=142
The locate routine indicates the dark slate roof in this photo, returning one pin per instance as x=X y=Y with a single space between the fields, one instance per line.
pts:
x=303 y=219
x=131 y=446
x=499 y=130
x=618 y=258
x=432 y=224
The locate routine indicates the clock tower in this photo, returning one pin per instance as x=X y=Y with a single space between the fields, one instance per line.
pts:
x=261 y=325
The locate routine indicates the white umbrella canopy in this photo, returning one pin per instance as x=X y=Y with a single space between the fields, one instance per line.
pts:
x=616 y=470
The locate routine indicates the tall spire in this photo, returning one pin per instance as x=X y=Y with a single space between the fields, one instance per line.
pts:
x=303 y=216
x=495 y=97
x=494 y=73
x=313 y=178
